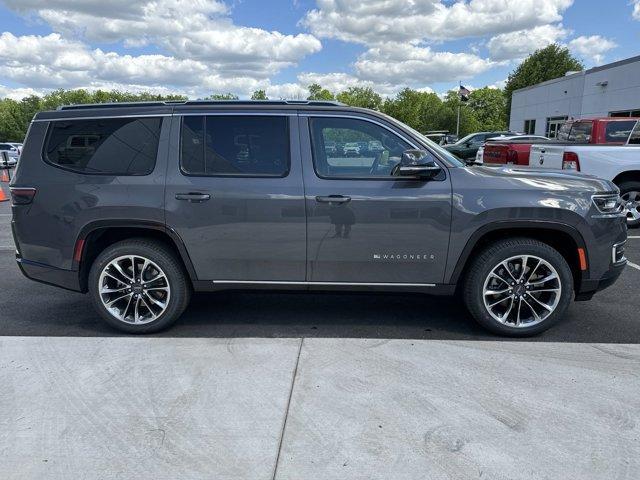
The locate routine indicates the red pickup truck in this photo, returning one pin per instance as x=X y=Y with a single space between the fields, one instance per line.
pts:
x=593 y=131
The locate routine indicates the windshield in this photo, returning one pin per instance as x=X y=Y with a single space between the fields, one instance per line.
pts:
x=443 y=152
x=465 y=139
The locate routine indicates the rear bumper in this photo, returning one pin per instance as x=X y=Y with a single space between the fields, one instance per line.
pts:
x=68 y=279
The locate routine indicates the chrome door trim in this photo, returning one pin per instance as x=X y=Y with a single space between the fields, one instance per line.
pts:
x=355 y=284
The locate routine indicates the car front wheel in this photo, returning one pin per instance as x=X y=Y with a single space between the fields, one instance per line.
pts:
x=138 y=286
x=518 y=287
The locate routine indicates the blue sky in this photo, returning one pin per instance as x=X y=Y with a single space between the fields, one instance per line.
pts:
x=200 y=47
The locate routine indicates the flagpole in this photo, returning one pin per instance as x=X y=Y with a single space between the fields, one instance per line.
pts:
x=459 y=103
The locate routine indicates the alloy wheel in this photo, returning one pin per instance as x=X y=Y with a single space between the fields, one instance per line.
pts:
x=134 y=289
x=631 y=202
x=522 y=291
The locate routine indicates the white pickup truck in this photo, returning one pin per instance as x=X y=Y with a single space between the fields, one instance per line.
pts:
x=619 y=163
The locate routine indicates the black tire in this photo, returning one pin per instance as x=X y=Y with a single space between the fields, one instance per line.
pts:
x=625 y=188
x=164 y=258
x=490 y=258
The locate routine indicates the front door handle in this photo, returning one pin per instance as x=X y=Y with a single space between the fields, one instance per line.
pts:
x=333 y=199
x=193 y=197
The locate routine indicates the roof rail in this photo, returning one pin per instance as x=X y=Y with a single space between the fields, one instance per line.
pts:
x=319 y=103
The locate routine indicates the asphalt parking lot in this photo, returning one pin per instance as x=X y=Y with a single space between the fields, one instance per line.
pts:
x=293 y=386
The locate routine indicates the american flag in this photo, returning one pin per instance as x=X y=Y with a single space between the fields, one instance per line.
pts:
x=464 y=93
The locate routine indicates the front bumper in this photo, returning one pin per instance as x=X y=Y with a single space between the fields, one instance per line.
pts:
x=588 y=287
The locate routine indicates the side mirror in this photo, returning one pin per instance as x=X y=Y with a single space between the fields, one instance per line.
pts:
x=416 y=163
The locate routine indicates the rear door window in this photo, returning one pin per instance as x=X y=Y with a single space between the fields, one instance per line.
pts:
x=227 y=145
x=107 y=146
x=618 y=132
x=580 y=132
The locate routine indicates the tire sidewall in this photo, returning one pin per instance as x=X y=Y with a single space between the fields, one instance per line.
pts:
x=474 y=292
x=171 y=268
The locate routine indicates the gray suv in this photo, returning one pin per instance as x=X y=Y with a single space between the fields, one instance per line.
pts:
x=142 y=204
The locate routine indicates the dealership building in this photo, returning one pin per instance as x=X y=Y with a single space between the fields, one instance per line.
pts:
x=608 y=90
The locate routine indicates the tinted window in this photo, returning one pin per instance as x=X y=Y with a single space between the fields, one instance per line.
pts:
x=580 y=132
x=634 y=138
x=618 y=131
x=115 y=146
x=351 y=148
x=235 y=145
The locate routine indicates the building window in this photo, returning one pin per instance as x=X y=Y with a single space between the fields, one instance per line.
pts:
x=625 y=113
x=553 y=125
x=530 y=127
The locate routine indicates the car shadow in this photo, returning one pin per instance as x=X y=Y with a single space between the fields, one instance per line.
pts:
x=29 y=309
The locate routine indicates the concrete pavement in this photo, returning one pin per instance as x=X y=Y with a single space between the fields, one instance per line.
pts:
x=118 y=408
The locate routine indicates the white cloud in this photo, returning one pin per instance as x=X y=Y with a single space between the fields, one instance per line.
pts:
x=185 y=29
x=52 y=62
x=411 y=65
x=519 y=44
x=593 y=47
x=378 y=21
x=17 y=93
x=636 y=9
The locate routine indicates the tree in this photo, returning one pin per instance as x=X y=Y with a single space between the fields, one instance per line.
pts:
x=15 y=116
x=419 y=110
x=316 y=92
x=360 y=97
x=488 y=106
x=222 y=96
x=545 y=64
x=259 y=95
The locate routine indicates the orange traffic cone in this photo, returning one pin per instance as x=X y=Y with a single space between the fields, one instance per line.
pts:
x=5 y=176
x=3 y=196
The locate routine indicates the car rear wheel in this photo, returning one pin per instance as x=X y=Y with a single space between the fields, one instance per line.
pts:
x=138 y=286
x=518 y=287
x=630 y=194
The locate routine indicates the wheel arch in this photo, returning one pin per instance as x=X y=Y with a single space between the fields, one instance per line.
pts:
x=628 y=176
x=97 y=236
x=564 y=238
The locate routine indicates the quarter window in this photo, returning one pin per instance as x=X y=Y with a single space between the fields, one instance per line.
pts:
x=352 y=148
x=112 y=146
x=235 y=145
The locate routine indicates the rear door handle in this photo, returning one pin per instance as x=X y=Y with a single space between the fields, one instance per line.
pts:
x=193 y=197
x=333 y=199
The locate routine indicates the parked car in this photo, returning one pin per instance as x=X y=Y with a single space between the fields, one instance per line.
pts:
x=17 y=145
x=13 y=154
x=375 y=146
x=508 y=150
x=618 y=163
x=351 y=149
x=467 y=147
x=160 y=207
x=330 y=148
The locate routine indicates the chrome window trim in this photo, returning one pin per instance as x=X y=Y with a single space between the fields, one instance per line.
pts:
x=100 y=117
x=360 y=284
x=237 y=114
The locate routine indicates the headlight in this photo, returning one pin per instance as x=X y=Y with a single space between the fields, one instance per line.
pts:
x=608 y=204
